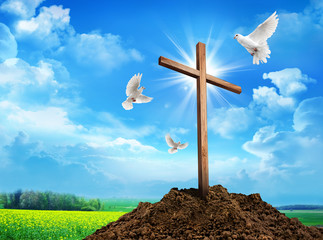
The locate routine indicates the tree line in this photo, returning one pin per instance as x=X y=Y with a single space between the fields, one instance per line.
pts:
x=48 y=201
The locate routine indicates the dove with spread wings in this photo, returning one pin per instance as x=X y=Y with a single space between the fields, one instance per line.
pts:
x=134 y=94
x=256 y=42
x=174 y=146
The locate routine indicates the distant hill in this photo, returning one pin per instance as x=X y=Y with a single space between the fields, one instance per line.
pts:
x=300 y=207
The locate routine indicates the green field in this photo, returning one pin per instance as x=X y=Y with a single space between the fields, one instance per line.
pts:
x=307 y=217
x=124 y=205
x=41 y=224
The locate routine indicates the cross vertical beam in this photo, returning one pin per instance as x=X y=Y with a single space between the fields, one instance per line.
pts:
x=203 y=166
x=202 y=78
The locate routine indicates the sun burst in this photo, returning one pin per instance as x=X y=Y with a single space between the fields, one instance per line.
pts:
x=214 y=67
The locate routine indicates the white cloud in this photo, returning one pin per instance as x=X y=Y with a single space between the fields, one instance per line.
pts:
x=49 y=27
x=270 y=103
x=51 y=30
x=263 y=142
x=289 y=81
x=226 y=122
x=118 y=161
x=15 y=71
x=25 y=84
x=307 y=22
x=103 y=51
x=267 y=105
x=22 y=8
x=8 y=44
x=290 y=153
x=51 y=119
x=179 y=130
x=115 y=128
x=45 y=123
x=309 y=115
x=134 y=145
x=223 y=167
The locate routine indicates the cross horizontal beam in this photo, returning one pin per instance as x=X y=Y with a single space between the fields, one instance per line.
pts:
x=165 y=62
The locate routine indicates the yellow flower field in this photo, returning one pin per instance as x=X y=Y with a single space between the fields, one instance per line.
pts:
x=38 y=224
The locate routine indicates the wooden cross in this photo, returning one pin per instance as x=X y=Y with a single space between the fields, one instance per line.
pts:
x=202 y=78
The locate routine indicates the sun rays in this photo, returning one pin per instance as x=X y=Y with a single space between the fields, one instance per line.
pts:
x=216 y=67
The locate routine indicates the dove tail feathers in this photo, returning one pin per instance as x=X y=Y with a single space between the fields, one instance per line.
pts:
x=127 y=104
x=262 y=54
x=172 y=150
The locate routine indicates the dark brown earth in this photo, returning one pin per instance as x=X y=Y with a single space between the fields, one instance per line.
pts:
x=181 y=214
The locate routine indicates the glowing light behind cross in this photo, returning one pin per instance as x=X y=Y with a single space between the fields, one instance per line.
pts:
x=214 y=67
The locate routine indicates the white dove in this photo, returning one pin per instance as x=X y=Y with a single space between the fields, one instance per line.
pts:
x=134 y=94
x=256 y=42
x=174 y=146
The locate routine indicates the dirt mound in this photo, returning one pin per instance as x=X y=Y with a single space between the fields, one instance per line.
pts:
x=181 y=214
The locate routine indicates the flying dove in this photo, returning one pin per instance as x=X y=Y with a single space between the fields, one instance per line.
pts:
x=174 y=146
x=256 y=42
x=134 y=94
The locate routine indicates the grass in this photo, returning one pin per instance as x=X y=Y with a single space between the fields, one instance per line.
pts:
x=40 y=224
x=307 y=217
x=124 y=205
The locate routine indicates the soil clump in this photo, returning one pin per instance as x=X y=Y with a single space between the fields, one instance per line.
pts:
x=181 y=214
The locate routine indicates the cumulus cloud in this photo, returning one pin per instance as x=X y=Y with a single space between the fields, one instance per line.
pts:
x=21 y=8
x=267 y=104
x=284 y=152
x=227 y=122
x=50 y=120
x=30 y=166
x=51 y=30
x=263 y=142
x=303 y=22
x=21 y=149
x=104 y=51
x=308 y=116
x=46 y=124
x=8 y=44
x=50 y=27
x=99 y=170
x=291 y=154
x=273 y=105
x=15 y=71
x=270 y=103
x=25 y=84
x=132 y=145
x=284 y=166
x=289 y=81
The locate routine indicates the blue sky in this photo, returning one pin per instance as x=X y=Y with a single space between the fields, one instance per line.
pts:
x=64 y=67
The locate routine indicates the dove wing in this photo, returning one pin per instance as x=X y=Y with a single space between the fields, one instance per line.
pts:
x=169 y=141
x=182 y=146
x=265 y=30
x=143 y=99
x=133 y=84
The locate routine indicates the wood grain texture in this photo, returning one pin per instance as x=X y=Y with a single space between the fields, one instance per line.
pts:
x=178 y=67
x=203 y=168
x=202 y=78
